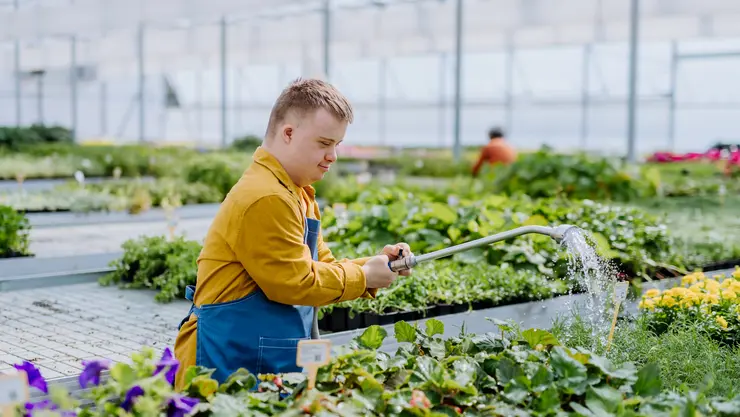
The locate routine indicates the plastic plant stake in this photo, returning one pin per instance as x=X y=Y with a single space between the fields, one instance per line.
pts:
x=13 y=391
x=620 y=293
x=311 y=355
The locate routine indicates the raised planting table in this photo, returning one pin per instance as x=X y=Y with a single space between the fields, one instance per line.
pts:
x=56 y=329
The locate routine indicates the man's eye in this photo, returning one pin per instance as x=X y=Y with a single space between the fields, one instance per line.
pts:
x=326 y=143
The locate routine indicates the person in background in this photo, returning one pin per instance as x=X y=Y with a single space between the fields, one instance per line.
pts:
x=264 y=268
x=497 y=150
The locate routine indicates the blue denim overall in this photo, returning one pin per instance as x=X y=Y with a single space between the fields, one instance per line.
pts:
x=253 y=332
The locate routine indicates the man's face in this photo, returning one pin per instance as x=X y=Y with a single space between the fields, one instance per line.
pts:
x=312 y=145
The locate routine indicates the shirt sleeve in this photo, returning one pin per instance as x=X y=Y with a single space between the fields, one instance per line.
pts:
x=325 y=255
x=269 y=244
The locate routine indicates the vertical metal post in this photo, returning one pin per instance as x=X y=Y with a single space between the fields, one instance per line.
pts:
x=18 y=86
x=442 y=99
x=382 y=70
x=672 y=97
x=632 y=102
x=103 y=109
x=585 y=95
x=142 y=80
x=199 y=105
x=17 y=69
x=73 y=85
x=327 y=39
x=457 y=151
x=509 y=74
x=223 y=40
x=40 y=96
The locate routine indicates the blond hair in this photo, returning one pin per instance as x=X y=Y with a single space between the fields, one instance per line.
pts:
x=308 y=95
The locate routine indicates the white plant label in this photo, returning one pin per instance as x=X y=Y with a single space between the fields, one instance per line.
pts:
x=313 y=352
x=13 y=390
x=620 y=291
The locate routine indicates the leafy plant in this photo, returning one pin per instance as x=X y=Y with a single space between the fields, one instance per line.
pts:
x=14 y=230
x=710 y=304
x=529 y=373
x=156 y=263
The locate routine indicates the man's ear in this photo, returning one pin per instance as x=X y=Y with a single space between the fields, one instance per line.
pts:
x=287 y=133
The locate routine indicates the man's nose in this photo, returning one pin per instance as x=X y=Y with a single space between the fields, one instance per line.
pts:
x=331 y=156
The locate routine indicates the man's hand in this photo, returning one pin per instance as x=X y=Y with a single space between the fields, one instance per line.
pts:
x=392 y=252
x=377 y=273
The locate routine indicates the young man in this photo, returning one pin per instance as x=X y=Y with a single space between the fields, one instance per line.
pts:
x=264 y=267
x=496 y=151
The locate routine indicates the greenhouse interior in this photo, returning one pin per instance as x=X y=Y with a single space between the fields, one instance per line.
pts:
x=369 y=208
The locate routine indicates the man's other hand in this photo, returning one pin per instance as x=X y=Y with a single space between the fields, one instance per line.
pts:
x=392 y=252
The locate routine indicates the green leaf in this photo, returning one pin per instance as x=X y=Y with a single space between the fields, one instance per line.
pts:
x=454 y=233
x=373 y=337
x=507 y=370
x=571 y=374
x=443 y=213
x=605 y=398
x=205 y=386
x=435 y=326
x=404 y=332
x=123 y=374
x=548 y=400
x=536 y=220
x=542 y=379
x=537 y=337
x=240 y=380
x=648 y=381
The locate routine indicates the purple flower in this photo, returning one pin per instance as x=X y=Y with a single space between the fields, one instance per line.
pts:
x=179 y=405
x=44 y=405
x=33 y=375
x=170 y=363
x=91 y=373
x=135 y=391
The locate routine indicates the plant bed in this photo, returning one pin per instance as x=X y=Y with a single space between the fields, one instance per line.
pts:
x=15 y=254
x=512 y=373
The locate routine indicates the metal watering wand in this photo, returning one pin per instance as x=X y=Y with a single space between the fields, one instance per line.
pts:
x=557 y=233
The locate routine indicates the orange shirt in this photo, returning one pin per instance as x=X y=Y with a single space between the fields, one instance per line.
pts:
x=496 y=151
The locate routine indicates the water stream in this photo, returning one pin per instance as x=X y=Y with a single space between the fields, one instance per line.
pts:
x=597 y=276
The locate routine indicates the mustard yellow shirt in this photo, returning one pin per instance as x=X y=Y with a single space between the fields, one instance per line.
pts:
x=256 y=240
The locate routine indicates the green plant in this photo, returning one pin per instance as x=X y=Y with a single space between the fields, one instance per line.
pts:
x=521 y=373
x=217 y=171
x=246 y=143
x=156 y=263
x=14 y=230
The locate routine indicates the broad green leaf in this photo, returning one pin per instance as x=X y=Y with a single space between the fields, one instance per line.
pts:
x=538 y=337
x=507 y=370
x=434 y=327
x=194 y=371
x=517 y=390
x=240 y=380
x=542 y=379
x=123 y=374
x=603 y=248
x=443 y=212
x=454 y=233
x=548 y=400
x=465 y=371
x=536 y=220
x=205 y=387
x=373 y=337
x=603 y=398
x=404 y=332
x=427 y=370
x=648 y=381
x=571 y=374
x=627 y=371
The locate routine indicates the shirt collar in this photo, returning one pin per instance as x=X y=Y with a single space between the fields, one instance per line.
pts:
x=266 y=159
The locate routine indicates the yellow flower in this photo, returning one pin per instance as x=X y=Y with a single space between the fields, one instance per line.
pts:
x=721 y=321
x=736 y=273
x=690 y=299
x=712 y=286
x=689 y=279
x=729 y=294
x=711 y=298
x=667 y=301
x=696 y=288
x=653 y=292
x=647 y=304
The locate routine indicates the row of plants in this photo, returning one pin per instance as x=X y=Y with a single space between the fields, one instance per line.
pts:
x=708 y=303
x=517 y=373
x=440 y=288
x=24 y=137
x=14 y=233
